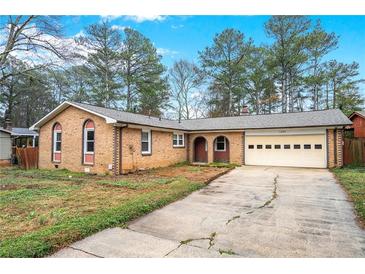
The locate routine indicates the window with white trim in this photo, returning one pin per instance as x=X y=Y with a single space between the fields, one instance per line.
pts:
x=146 y=142
x=57 y=137
x=178 y=140
x=89 y=140
x=220 y=143
x=56 y=142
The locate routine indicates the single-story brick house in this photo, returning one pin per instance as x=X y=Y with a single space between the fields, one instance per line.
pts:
x=83 y=137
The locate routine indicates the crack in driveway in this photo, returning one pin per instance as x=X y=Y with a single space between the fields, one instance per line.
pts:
x=273 y=196
x=185 y=242
x=89 y=253
x=268 y=202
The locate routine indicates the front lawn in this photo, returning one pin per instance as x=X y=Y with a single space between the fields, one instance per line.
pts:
x=352 y=178
x=42 y=211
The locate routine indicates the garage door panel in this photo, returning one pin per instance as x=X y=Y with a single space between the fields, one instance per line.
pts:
x=286 y=157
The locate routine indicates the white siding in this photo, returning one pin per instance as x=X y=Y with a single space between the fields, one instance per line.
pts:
x=5 y=146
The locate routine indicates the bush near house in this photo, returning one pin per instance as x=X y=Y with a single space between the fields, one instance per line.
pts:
x=42 y=211
x=352 y=178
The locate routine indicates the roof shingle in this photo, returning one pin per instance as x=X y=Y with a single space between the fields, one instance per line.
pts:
x=331 y=117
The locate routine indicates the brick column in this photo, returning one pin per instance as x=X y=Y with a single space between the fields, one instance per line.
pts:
x=187 y=144
x=116 y=150
x=330 y=148
x=339 y=140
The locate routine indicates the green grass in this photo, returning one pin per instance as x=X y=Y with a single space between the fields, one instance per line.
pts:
x=135 y=185
x=42 y=211
x=223 y=165
x=352 y=178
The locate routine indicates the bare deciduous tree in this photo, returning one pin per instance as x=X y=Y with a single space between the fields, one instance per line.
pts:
x=35 y=40
x=185 y=78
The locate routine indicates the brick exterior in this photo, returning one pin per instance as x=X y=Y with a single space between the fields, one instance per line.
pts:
x=121 y=147
x=334 y=148
x=163 y=153
x=235 y=144
x=72 y=121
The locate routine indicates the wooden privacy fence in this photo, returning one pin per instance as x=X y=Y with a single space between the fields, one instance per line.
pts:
x=354 y=151
x=27 y=157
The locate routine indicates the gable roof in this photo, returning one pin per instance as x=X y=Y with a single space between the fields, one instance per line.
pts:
x=332 y=117
x=133 y=118
x=5 y=130
x=360 y=113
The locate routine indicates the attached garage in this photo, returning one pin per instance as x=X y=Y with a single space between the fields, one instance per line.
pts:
x=292 y=148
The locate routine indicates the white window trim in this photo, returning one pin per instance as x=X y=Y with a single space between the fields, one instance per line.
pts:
x=149 y=142
x=85 y=141
x=177 y=139
x=54 y=144
x=216 y=147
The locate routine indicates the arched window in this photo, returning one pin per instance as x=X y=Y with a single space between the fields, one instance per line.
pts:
x=89 y=142
x=56 y=142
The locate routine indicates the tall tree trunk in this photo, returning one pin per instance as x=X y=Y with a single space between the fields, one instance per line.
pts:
x=334 y=94
x=327 y=95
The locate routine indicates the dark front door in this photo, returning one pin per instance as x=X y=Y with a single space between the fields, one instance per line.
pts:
x=200 y=150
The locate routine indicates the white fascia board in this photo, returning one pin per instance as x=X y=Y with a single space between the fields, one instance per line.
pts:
x=15 y=134
x=63 y=106
x=215 y=131
x=155 y=128
x=286 y=131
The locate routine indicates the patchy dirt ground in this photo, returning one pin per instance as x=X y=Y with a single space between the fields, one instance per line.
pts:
x=37 y=200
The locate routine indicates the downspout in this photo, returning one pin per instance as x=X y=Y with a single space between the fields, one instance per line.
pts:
x=243 y=147
x=327 y=147
x=120 y=151
x=335 y=145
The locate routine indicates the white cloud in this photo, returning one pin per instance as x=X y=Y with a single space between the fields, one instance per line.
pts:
x=167 y=52
x=110 y=17
x=118 y=27
x=177 y=26
x=142 y=18
x=79 y=34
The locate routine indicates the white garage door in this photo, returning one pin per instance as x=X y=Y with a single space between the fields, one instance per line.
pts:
x=307 y=150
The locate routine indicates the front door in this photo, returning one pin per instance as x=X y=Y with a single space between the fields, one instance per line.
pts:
x=200 y=150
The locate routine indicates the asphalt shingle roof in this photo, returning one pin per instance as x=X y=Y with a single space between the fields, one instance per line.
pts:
x=21 y=131
x=331 y=117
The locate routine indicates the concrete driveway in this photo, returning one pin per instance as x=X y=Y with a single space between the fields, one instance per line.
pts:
x=249 y=212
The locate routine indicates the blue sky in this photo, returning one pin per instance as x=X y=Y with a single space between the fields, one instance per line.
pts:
x=183 y=36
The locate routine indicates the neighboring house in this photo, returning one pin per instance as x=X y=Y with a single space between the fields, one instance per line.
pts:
x=5 y=147
x=12 y=137
x=83 y=137
x=358 y=124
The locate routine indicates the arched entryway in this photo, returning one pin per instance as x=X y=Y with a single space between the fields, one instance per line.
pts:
x=221 y=149
x=200 y=150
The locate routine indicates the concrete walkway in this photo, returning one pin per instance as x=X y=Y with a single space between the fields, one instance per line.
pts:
x=249 y=212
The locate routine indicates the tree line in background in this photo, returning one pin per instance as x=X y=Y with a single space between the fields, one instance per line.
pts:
x=121 y=68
